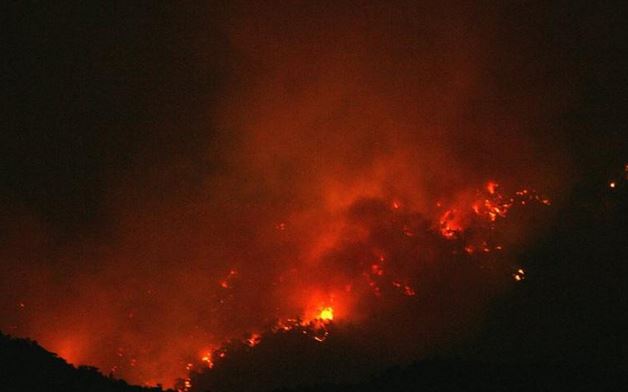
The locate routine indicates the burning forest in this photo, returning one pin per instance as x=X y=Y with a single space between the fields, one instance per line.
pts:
x=243 y=195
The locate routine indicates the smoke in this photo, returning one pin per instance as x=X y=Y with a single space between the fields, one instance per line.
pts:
x=266 y=193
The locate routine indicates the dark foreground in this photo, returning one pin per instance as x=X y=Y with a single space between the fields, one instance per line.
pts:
x=26 y=366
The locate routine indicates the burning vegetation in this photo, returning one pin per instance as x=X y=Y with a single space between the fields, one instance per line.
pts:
x=387 y=251
x=356 y=179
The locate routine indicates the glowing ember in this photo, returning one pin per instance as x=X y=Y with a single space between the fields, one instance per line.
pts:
x=409 y=291
x=376 y=269
x=227 y=282
x=519 y=275
x=254 y=340
x=491 y=186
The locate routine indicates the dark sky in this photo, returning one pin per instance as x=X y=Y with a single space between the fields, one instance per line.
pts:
x=140 y=140
x=93 y=92
x=86 y=85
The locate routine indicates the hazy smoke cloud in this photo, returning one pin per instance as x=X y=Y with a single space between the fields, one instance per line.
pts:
x=245 y=158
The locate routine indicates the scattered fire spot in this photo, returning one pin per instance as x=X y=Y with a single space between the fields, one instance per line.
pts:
x=207 y=358
x=409 y=291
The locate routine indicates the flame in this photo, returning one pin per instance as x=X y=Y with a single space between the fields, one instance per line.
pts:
x=326 y=314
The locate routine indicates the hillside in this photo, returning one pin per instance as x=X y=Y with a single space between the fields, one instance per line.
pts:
x=26 y=366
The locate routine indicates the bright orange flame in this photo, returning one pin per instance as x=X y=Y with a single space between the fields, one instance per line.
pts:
x=326 y=314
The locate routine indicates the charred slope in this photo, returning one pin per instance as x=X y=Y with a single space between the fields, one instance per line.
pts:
x=26 y=366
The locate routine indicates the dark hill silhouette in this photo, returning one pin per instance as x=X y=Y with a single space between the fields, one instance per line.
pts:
x=561 y=329
x=458 y=375
x=25 y=366
x=291 y=361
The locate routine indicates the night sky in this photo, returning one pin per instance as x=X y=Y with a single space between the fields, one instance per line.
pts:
x=176 y=175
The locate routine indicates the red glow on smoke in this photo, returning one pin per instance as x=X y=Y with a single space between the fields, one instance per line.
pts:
x=345 y=174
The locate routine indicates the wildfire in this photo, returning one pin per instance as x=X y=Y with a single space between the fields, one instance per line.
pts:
x=465 y=227
x=489 y=206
